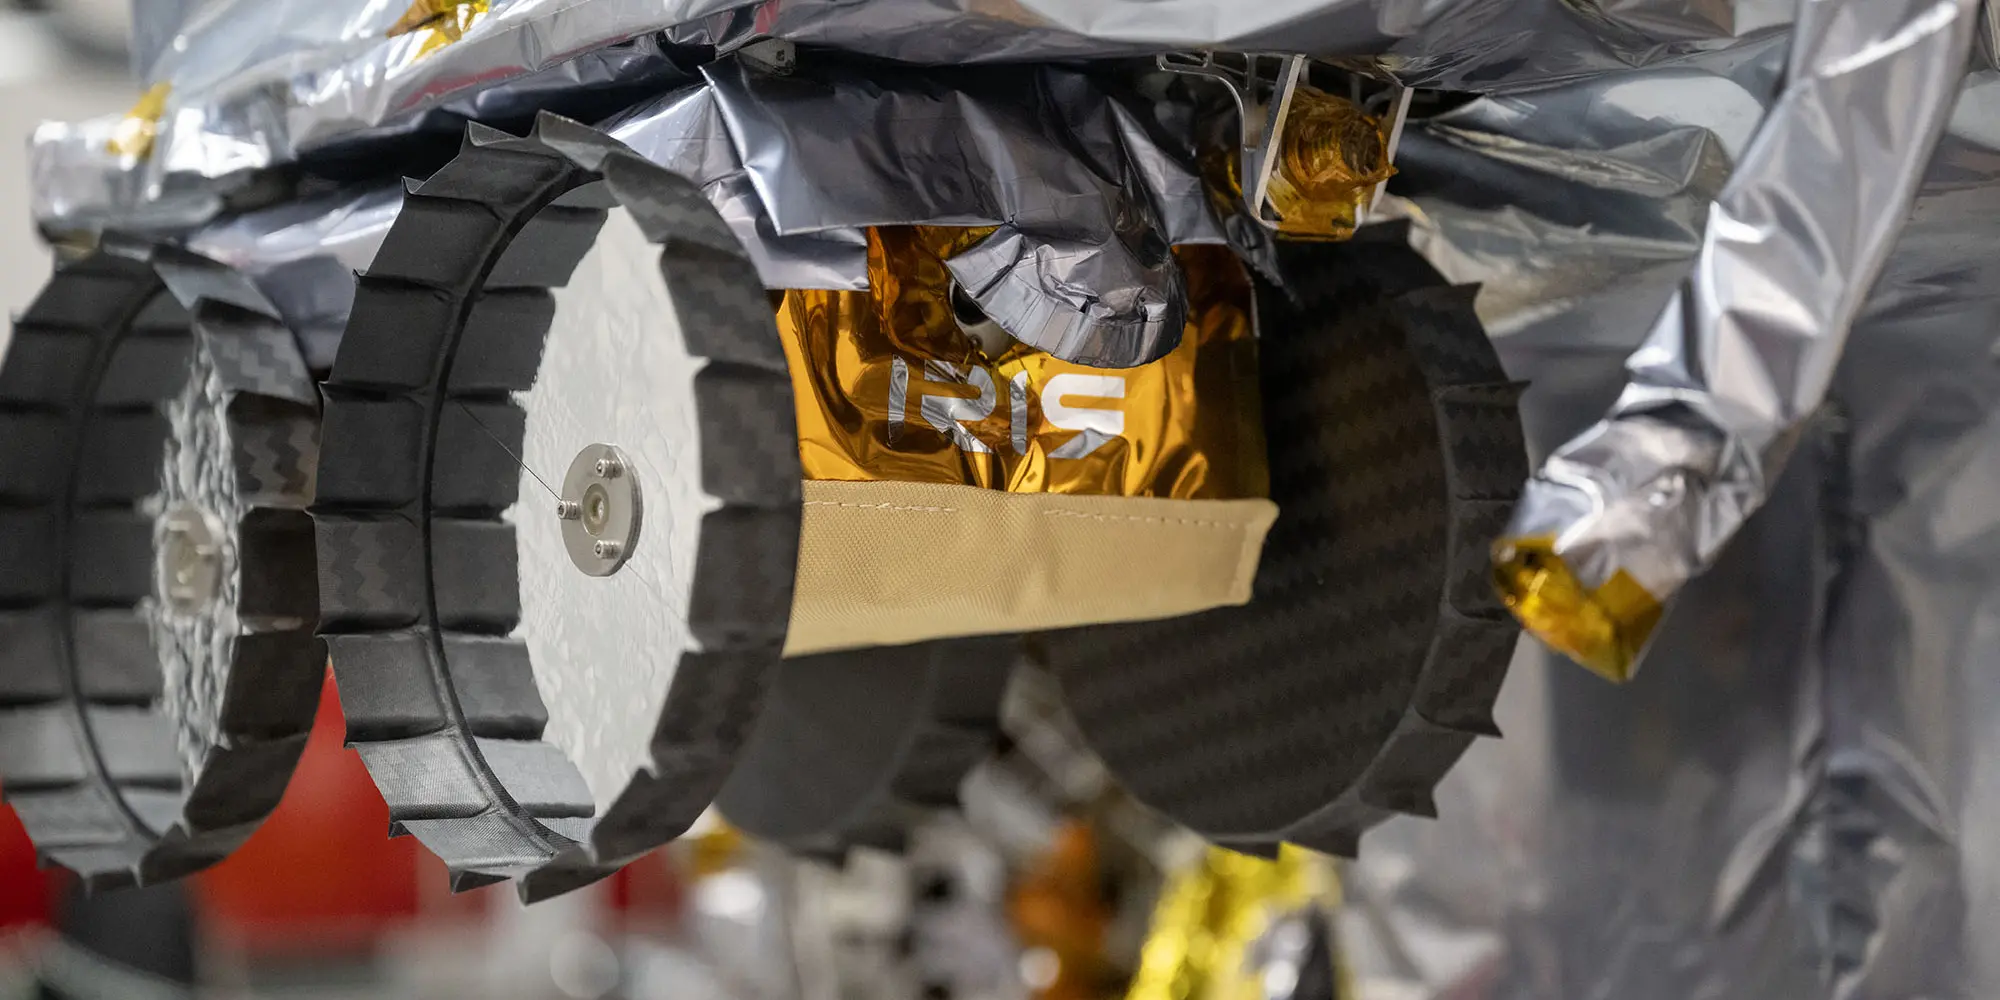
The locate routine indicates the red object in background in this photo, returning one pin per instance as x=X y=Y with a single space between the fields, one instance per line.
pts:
x=27 y=894
x=321 y=874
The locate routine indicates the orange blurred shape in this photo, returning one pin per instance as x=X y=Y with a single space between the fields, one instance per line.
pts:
x=1059 y=906
x=321 y=874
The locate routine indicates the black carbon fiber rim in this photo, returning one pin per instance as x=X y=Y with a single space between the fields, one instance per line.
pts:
x=420 y=580
x=853 y=747
x=128 y=762
x=1374 y=648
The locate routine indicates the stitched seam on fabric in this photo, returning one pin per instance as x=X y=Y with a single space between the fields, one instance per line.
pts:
x=880 y=506
x=1149 y=520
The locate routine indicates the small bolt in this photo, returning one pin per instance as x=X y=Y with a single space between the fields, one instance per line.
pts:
x=610 y=468
x=569 y=510
x=608 y=549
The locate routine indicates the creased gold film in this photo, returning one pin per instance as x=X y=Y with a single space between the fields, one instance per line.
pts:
x=1330 y=159
x=1189 y=426
x=1603 y=629
x=1210 y=915
x=438 y=23
x=141 y=126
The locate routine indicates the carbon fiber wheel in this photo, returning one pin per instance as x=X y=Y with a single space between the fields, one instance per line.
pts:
x=1374 y=647
x=526 y=707
x=853 y=746
x=158 y=672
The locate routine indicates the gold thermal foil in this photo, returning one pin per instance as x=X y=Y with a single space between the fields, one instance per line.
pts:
x=438 y=23
x=141 y=126
x=889 y=387
x=1331 y=157
x=1603 y=629
x=1211 y=914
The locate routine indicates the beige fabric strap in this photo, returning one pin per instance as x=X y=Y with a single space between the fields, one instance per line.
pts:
x=884 y=563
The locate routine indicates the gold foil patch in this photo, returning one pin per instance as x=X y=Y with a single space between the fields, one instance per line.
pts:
x=141 y=126
x=1603 y=629
x=1330 y=159
x=1211 y=914
x=438 y=23
x=889 y=387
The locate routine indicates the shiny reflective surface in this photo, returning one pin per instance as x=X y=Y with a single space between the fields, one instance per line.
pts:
x=1330 y=161
x=1788 y=799
x=1744 y=354
x=889 y=387
x=1603 y=629
x=260 y=83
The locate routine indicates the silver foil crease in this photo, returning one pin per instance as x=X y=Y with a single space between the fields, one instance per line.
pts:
x=684 y=132
x=303 y=257
x=1744 y=352
x=1480 y=45
x=1791 y=800
x=1065 y=262
x=260 y=83
x=1085 y=194
x=1079 y=262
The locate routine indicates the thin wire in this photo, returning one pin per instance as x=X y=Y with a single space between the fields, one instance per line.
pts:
x=503 y=447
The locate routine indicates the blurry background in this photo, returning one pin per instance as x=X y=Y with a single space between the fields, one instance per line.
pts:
x=59 y=59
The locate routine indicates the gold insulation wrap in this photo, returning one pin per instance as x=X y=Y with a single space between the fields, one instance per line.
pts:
x=1330 y=158
x=1604 y=628
x=140 y=127
x=438 y=23
x=1199 y=946
x=890 y=388
x=1330 y=161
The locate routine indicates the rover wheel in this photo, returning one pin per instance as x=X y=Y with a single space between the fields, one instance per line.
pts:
x=1374 y=647
x=558 y=509
x=158 y=672
x=853 y=746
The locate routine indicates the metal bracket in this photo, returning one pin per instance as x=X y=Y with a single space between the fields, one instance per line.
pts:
x=775 y=56
x=1263 y=108
x=1399 y=112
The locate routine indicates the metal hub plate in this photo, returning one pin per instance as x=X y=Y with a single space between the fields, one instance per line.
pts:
x=190 y=560
x=600 y=510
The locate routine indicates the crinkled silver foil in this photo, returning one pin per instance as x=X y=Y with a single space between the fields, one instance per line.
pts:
x=1079 y=262
x=1744 y=352
x=1085 y=194
x=684 y=132
x=260 y=83
x=1478 y=45
x=1066 y=261
x=303 y=257
x=1791 y=800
